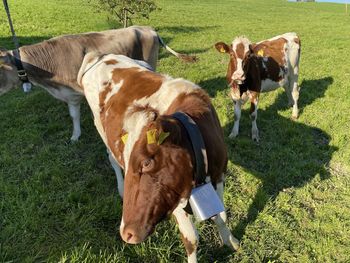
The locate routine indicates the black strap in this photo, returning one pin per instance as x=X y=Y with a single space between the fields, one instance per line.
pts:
x=16 y=53
x=198 y=146
x=22 y=74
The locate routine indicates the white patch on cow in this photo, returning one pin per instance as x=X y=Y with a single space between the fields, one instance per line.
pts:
x=192 y=258
x=239 y=73
x=92 y=91
x=235 y=129
x=227 y=238
x=126 y=62
x=74 y=112
x=269 y=85
x=122 y=225
x=166 y=94
x=133 y=125
x=115 y=88
x=187 y=229
x=220 y=190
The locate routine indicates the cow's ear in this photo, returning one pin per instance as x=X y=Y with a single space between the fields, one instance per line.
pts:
x=222 y=47
x=4 y=58
x=169 y=126
x=251 y=48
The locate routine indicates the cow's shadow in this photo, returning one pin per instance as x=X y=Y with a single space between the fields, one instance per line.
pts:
x=214 y=85
x=309 y=91
x=290 y=153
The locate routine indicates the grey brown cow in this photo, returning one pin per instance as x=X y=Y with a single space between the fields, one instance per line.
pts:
x=54 y=64
x=261 y=67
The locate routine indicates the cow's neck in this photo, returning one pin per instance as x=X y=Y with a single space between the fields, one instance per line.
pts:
x=43 y=69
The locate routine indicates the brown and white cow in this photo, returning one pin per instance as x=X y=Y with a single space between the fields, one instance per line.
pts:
x=261 y=67
x=133 y=109
x=54 y=64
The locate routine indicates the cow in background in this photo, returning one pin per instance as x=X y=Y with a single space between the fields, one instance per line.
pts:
x=133 y=110
x=54 y=64
x=261 y=67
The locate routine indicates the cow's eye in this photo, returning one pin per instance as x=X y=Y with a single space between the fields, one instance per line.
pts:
x=147 y=165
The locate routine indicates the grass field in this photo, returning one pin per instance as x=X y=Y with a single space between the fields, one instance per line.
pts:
x=288 y=198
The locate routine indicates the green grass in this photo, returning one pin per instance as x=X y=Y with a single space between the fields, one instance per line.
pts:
x=288 y=198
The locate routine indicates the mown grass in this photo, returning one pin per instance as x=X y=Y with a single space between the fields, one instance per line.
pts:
x=288 y=198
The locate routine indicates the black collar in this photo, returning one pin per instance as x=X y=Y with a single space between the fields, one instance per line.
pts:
x=22 y=74
x=198 y=146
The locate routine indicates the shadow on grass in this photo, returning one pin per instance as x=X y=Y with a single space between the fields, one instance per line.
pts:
x=309 y=91
x=289 y=155
x=212 y=86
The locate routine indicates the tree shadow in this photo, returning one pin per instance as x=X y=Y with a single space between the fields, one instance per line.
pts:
x=289 y=155
x=6 y=42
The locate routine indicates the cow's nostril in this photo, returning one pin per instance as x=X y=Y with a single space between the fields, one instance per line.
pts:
x=129 y=237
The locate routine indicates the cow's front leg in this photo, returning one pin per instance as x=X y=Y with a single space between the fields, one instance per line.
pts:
x=188 y=232
x=74 y=112
x=118 y=173
x=237 y=117
x=254 y=99
x=220 y=220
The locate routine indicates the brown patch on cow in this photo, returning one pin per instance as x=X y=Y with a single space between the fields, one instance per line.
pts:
x=273 y=49
x=253 y=99
x=190 y=247
x=136 y=85
x=111 y=62
x=197 y=104
x=240 y=50
x=103 y=95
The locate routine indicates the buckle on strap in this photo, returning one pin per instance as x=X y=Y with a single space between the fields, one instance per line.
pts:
x=22 y=73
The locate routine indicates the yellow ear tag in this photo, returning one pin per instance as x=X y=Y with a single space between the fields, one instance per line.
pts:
x=222 y=50
x=261 y=53
x=162 y=137
x=124 y=138
x=151 y=136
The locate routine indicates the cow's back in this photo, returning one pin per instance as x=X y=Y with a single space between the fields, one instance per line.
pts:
x=283 y=49
x=58 y=60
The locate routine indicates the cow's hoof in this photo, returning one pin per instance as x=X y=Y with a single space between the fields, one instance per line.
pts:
x=233 y=135
x=74 y=138
x=295 y=116
x=255 y=136
x=233 y=243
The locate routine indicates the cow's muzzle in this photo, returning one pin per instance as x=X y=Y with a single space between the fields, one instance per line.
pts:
x=133 y=234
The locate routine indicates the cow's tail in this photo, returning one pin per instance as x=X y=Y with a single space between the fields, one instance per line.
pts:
x=184 y=57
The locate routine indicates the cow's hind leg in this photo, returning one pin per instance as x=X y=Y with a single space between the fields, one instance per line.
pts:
x=237 y=117
x=118 y=173
x=220 y=220
x=293 y=82
x=74 y=112
x=188 y=232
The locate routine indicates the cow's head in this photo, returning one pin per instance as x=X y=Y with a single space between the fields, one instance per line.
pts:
x=159 y=174
x=239 y=51
x=8 y=73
